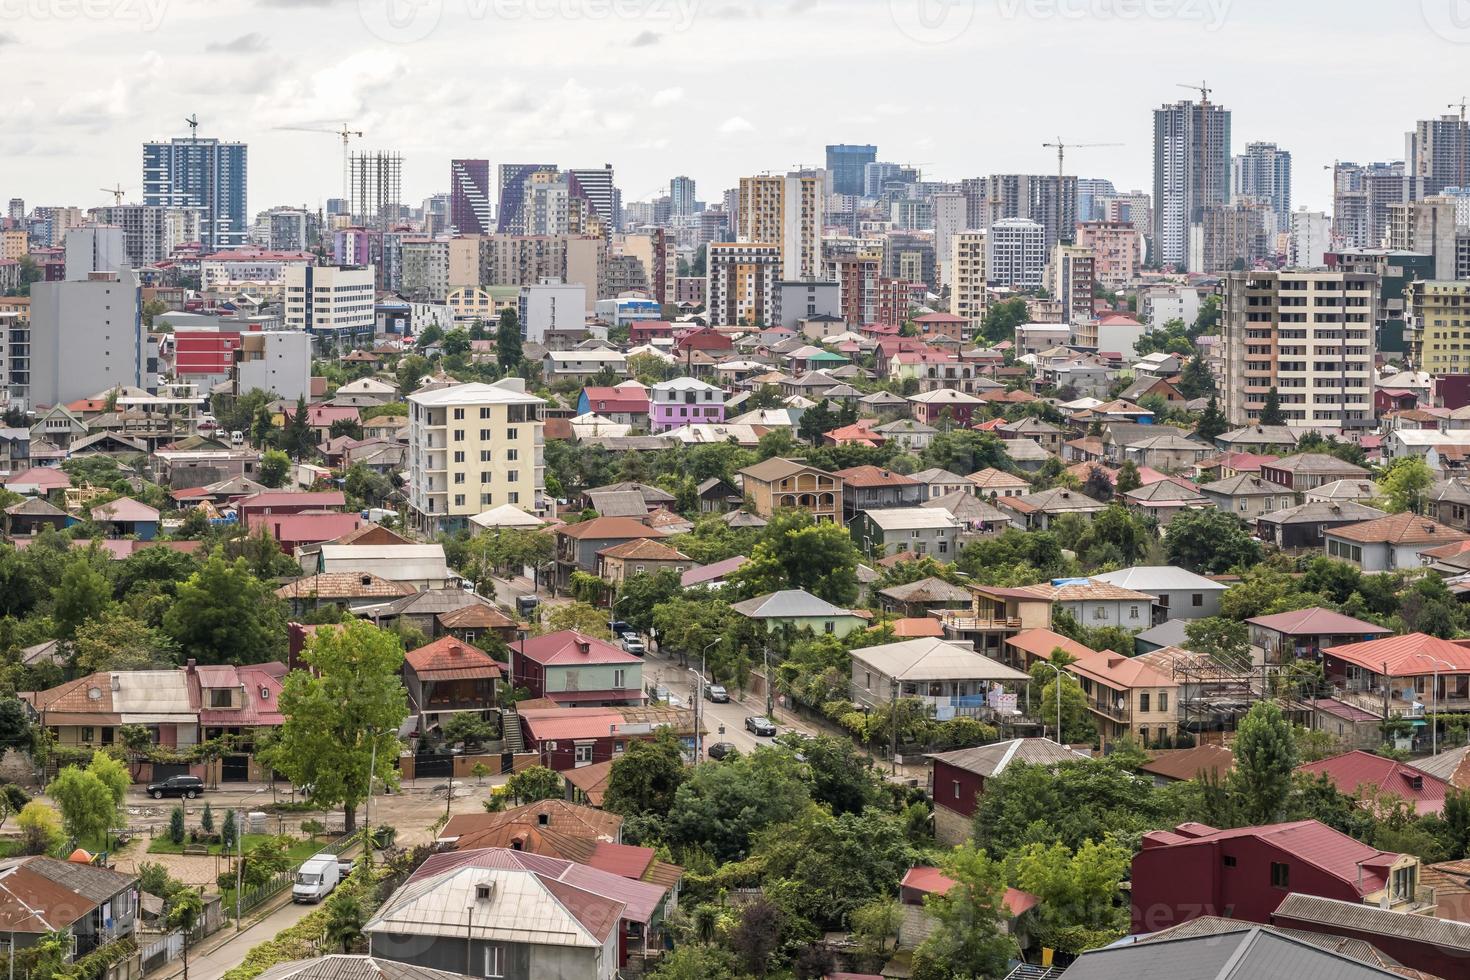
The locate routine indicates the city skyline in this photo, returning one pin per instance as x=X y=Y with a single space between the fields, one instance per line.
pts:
x=675 y=115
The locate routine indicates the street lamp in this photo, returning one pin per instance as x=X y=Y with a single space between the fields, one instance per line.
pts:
x=1058 y=671
x=1434 y=700
x=698 y=699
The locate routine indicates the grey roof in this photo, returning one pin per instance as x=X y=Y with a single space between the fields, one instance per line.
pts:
x=343 y=966
x=987 y=760
x=787 y=604
x=651 y=494
x=1167 y=634
x=1260 y=435
x=92 y=883
x=1244 y=485
x=1343 y=511
x=883 y=398
x=1443 y=765
x=1213 y=925
x=910 y=518
x=1160 y=578
x=936 y=475
x=1060 y=500
x=35 y=507
x=429 y=602
x=1365 y=490
x=933 y=659
x=1450 y=491
x=927 y=590
x=618 y=503
x=1165 y=491
x=1172 y=439
x=968 y=508
x=1023 y=450
x=1316 y=463
x=1253 y=953
x=1372 y=920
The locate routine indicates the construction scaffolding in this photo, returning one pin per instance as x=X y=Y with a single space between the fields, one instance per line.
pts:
x=1214 y=694
x=376 y=184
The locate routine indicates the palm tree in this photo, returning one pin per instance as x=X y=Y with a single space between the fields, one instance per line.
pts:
x=344 y=919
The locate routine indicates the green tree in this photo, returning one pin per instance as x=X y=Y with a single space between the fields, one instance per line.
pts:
x=40 y=827
x=1001 y=321
x=465 y=728
x=696 y=963
x=796 y=552
x=274 y=467
x=966 y=940
x=342 y=716
x=16 y=731
x=176 y=827
x=874 y=924
x=81 y=595
x=224 y=614
x=1226 y=640
x=206 y=819
x=227 y=832
x=87 y=805
x=578 y=616
x=647 y=777
x=1209 y=542
x=1195 y=381
x=1404 y=482
x=721 y=807
x=841 y=777
x=1076 y=722
x=508 y=350
x=183 y=913
x=1078 y=891
x=1271 y=413
x=1072 y=803
x=298 y=439
x=1212 y=422
x=345 y=919
x=117 y=641
x=1128 y=478
x=532 y=784
x=1265 y=755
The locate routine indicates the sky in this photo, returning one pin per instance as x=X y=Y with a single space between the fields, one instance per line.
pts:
x=713 y=89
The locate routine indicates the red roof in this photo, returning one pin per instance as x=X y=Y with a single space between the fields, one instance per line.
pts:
x=1414 y=655
x=616 y=399
x=571 y=648
x=550 y=724
x=1310 y=841
x=1351 y=772
x=307 y=528
x=873 y=476
x=261 y=686
x=124 y=509
x=43 y=477
x=314 y=500
x=1316 y=621
x=932 y=881
x=449 y=655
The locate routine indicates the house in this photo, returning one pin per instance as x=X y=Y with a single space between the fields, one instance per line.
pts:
x=1043 y=433
x=974 y=514
x=1398 y=927
x=918 y=598
x=712 y=576
x=354 y=966
x=500 y=913
x=1127 y=696
x=874 y=488
x=912 y=435
x=1024 y=649
x=349 y=589
x=1163 y=500
x=1213 y=762
x=421 y=565
x=920 y=531
x=641 y=556
x=1168 y=451
x=948 y=676
x=126 y=518
x=1027 y=455
x=1388 y=543
x=1096 y=603
x=569 y=738
x=448 y=677
x=294 y=533
x=582 y=364
x=918 y=883
x=939 y=483
x=1400 y=675
x=779 y=483
x=235 y=702
x=795 y=610
x=86 y=712
x=625 y=404
x=1303 y=528
x=996 y=614
x=1247 y=872
x=1247 y=496
x=569 y=667
x=685 y=401
x=716 y=496
x=945 y=408
x=256 y=505
x=1308 y=471
x=578 y=545
x=653 y=497
x=1448 y=501
x=1349 y=726
x=1305 y=633
x=426 y=610
x=993 y=484
x=466 y=830
x=32 y=515
x=957 y=779
x=1360 y=492
x=1269 y=440
x=1040 y=509
x=92 y=905
x=1365 y=776
x=1179 y=593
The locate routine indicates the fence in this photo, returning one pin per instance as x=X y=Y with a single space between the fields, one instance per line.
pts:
x=262 y=893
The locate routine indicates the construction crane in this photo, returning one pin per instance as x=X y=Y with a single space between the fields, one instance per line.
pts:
x=193 y=123
x=1065 y=235
x=117 y=194
x=1203 y=88
x=345 y=135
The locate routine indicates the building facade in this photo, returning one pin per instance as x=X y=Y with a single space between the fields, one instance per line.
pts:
x=1191 y=173
x=206 y=174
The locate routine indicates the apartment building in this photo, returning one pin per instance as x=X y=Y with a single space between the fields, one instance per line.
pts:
x=1191 y=172
x=967 y=295
x=785 y=210
x=742 y=282
x=86 y=335
x=1437 y=326
x=425 y=269
x=1427 y=227
x=152 y=232
x=472 y=447
x=1070 y=277
x=1227 y=237
x=857 y=287
x=1016 y=253
x=1309 y=335
x=273 y=360
x=1117 y=251
x=334 y=303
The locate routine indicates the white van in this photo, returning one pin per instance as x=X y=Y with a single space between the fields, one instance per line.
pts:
x=316 y=878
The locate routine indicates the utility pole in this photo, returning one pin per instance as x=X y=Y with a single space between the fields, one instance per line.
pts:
x=770 y=690
x=893 y=721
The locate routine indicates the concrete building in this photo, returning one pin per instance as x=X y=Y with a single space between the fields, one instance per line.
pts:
x=1437 y=326
x=425 y=269
x=1427 y=227
x=968 y=281
x=274 y=360
x=1015 y=254
x=551 y=305
x=1117 y=250
x=206 y=174
x=684 y=401
x=472 y=447
x=469 y=197
x=949 y=213
x=1311 y=237
x=742 y=282
x=1437 y=154
x=1361 y=195
x=1229 y=237
x=805 y=299
x=1070 y=277
x=152 y=232
x=333 y=303
x=95 y=248
x=1262 y=175
x=86 y=335
x=1034 y=197
x=1309 y=335
x=857 y=287
x=845 y=166
x=1191 y=173
x=1092 y=192
x=785 y=211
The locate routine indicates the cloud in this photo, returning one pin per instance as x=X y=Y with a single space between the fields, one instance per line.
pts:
x=645 y=39
x=6 y=39
x=244 y=44
x=666 y=97
x=802 y=6
x=736 y=124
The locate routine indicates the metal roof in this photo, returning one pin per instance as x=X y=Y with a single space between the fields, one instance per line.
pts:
x=930 y=659
x=1254 y=953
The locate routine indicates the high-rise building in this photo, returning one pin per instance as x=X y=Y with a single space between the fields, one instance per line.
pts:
x=1091 y=192
x=785 y=211
x=950 y=212
x=1311 y=237
x=857 y=287
x=1437 y=326
x=95 y=248
x=1228 y=236
x=469 y=197
x=292 y=230
x=17 y=209
x=1132 y=208
x=333 y=303
x=1428 y=227
x=1438 y=155
x=1263 y=174
x=1071 y=275
x=742 y=282
x=425 y=269
x=201 y=173
x=1033 y=197
x=1309 y=335
x=681 y=196
x=845 y=163
x=1117 y=247
x=881 y=179
x=376 y=179
x=471 y=448
x=1361 y=195
x=967 y=290
x=1015 y=255
x=1191 y=173
x=152 y=233
x=598 y=187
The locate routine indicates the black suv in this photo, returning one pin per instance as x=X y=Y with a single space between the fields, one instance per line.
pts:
x=189 y=787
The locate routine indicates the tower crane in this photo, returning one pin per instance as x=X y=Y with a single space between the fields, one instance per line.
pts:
x=345 y=134
x=193 y=123
x=1203 y=88
x=1064 y=234
x=117 y=194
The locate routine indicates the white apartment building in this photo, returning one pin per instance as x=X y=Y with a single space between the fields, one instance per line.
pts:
x=152 y=232
x=333 y=303
x=1070 y=277
x=967 y=295
x=473 y=447
x=949 y=220
x=786 y=211
x=551 y=305
x=241 y=267
x=1309 y=335
x=742 y=283
x=1016 y=253
x=1311 y=237
x=274 y=360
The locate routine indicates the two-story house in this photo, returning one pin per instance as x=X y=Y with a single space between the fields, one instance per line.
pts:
x=925 y=531
x=795 y=610
x=570 y=668
x=875 y=488
x=684 y=401
x=578 y=545
x=995 y=615
x=777 y=483
x=447 y=677
x=1125 y=696
x=1304 y=634
x=42 y=896
x=642 y=556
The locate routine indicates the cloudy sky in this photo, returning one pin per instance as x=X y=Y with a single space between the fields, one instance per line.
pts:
x=709 y=88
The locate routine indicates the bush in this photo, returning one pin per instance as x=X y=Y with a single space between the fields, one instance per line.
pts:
x=206 y=819
x=40 y=827
x=154 y=879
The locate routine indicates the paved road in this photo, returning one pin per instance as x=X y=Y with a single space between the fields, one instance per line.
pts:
x=682 y=683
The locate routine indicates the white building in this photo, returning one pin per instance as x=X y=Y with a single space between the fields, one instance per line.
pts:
x=333 y=303
x=684 y=401
x=967 y=287
x=472 y=447
x=86 y=336
x=1311 y=237
x=152 y=232
x=274 y=360
x=551 y=304
x=243 y=267
x=805 y=299
x=1016 y=253
x=950 y=210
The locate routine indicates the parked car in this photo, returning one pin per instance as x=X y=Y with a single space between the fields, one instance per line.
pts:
x=760 y=725
x=189 y=787
x=621 y=628
x=633 y=644
x=720 y=749
x=316 y=878
x=717 y=694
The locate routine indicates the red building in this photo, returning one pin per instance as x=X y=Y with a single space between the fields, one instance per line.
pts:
x=574 y=738
x=293 y=531
x=204 y=353
x=257 y=505
x=646 y=331
x=1244 y=874
x=896 y=297
x=1362 y=774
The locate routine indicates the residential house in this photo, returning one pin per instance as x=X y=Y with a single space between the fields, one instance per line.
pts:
x=1388 y=543
x=920 y=531
x=1024 y=649
x=1355 y=491
x=1206 y=760
x=874 y=488
x=1178 y=592
x=1126 y=696
x=427 y=610
x=1375 y=779
x=421 y=565
x=1040 y=509
x=974 y=514
x=945 y=408
x=1247 y=496
x=948 y=676
x=126 y=518
x=717 y=497
x=914 y=436
x=625 y=404
x=341 y=966
x=568 y=738
x=1168 y=451
x=1093 y=602
x=1027 y=455
x=796 y=610
x=992 y=483
x=1163 y=500
x=921 y=597
x=779 y=483
x=582 y=364
x=995 y=615
x=1247 y=872
x=939 y=483
x=957 y=779
x=449 y=677
x=1418 y=942
x=1043 y=433
x=571 y=668
x=712 y=576
x=641 y=556
x=1270 y=440
x=578 y=545
x=86 y=713
x=1308 y=471
x=1400 y=676
x=94 y=906
x=32 y=515
x=685 y=401
x=1303 y=528
x=269 y=502
x=351 y=590
x=1304 y=634
x=235 y=702
x=918 y=923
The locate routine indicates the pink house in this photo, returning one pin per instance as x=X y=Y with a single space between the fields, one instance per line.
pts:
x=684 y=401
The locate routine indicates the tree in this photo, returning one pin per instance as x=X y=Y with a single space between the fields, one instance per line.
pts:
x=176 y=827
x=206 y=819
x=117 y=641
x=873 y=925
x=696 y=963
x=581 y=617
x=1128 y=478
x=87 y=805
x=1078 y=891
x=227 y=832
x=1076 y=723
x=720 y=807
x=184 y=911
x=465 y=728
x=274 y=466
x=1226 y=640
x=345 y=919
x=1212 y=422
x=1404 y=483
x=81 y=595
x=966 y=940
x=1271 y=413
x=343 y=717
x=841 y=777
x=1072 y=803
x=796 y=552
x=40 y=827
x=532 y=784
x=298 y=439
x=827 y=866
x=1195 y=381
x=815 y=422
x=647 y=777
x=15 y=726
x=1265 y=755
x=508 y=350
x=1002 y=319
x=1210 y=541
x=224 y=614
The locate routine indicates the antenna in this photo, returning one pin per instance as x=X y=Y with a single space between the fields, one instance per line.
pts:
x=1203 y=88
x=117 y=194
x=193 y=122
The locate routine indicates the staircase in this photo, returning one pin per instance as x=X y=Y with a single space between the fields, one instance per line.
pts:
x=1028 y=971
x=511 y=739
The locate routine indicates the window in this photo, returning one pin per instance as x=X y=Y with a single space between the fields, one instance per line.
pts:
x=511 y=455
x=459 y=455
x=1099 y=612
x=459 y=500
x=1163 y=700
x=1132 y=612
x=484 y=435
x=484 y=413
x=87 y=733
x=484 y=455
x=494 y=961
x=459 y=435
x=219 y=698
x=956 y=784
x=1280 y=875
x=619 y=746
x=829 y=626
x=1197 y=599
x=1143 y=701
x=459 y=478
x=514 y=476
x=459 y=415
x=1228 y=860
x=511 y=433
x=584 y=754
x=619 y=679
